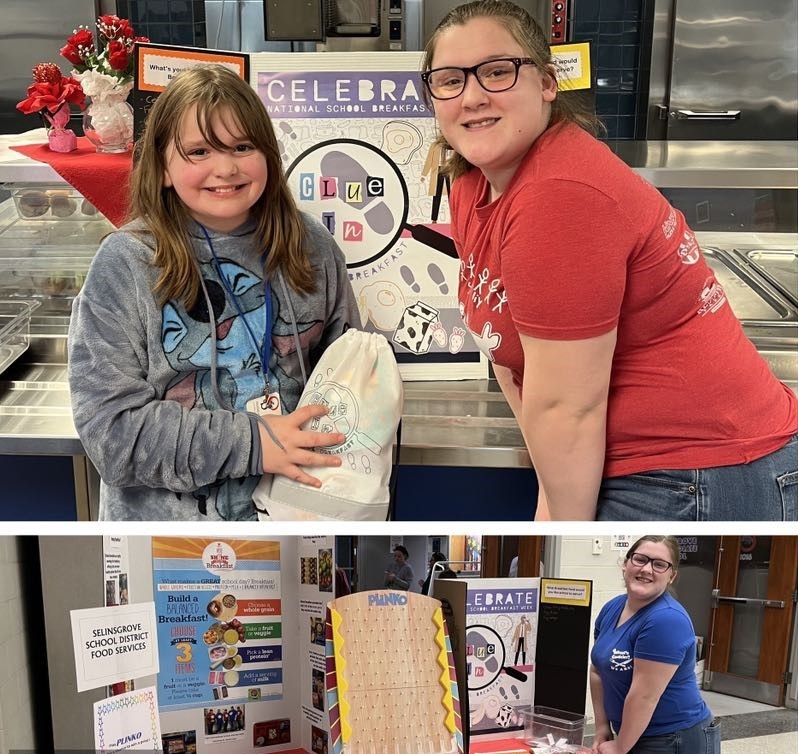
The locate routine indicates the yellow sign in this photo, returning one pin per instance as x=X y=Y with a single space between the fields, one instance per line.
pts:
x=565 y=592
x=573 y=65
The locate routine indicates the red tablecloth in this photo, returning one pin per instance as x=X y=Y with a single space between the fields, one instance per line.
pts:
x=499 y=745
x=101 y=178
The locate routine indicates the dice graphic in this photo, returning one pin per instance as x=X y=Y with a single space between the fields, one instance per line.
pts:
x=414 y=331
x=505 y=716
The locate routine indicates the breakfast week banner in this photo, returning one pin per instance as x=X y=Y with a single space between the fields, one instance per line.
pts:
x=219 y=622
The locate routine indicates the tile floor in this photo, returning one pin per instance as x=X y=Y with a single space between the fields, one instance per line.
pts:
x=753 y=728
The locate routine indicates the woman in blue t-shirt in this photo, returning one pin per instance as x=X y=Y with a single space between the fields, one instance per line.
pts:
x=642 y=673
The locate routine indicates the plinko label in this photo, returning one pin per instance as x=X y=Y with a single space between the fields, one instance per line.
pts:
x=219 y=621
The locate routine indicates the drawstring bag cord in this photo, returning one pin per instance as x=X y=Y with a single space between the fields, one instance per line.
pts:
x=214 y=383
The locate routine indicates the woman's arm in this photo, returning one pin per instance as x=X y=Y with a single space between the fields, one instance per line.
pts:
x=564 y=416
x=649 y=681
x=513 y=396
x=603 y=732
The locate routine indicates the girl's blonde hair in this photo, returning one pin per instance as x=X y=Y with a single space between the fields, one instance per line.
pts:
x=213 y=89
x=529 y=35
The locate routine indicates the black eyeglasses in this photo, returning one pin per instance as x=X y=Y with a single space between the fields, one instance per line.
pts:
x=640 y=560
x=493 y=76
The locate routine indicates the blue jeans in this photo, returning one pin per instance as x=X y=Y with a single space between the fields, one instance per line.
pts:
x=763 y=490
x=703 y=738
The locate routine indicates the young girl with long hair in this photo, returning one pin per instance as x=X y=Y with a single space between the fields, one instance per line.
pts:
x=199 y=319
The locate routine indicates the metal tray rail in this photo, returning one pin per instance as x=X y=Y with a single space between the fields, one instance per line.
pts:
x=753 y=299
x=15 y=319
x=778 y=266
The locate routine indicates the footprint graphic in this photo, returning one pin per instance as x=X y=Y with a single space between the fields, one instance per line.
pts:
x=348 y=170
x=366 y=464
x=409 y=278
x=379 y=218
x=436 y=273
x=287 y=129
x=350 y=457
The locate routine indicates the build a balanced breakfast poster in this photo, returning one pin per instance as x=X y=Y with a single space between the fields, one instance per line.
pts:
x=219 y=622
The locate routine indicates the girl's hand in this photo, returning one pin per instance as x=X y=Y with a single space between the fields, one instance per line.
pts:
x=297 y=444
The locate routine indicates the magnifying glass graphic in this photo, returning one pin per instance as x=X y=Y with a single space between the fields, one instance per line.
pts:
x=362 y=198
x=343 y=416
x=489 y=657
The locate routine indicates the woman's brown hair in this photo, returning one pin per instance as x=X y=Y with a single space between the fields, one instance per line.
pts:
x=530 y=36
x=213 y=89
x=670 y=542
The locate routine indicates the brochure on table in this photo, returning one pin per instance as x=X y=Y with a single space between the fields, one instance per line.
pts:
x=358 y=145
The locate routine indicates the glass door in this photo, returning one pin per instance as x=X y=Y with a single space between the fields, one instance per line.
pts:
x=753 y=603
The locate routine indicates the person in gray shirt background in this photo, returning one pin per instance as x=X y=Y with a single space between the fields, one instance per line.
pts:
x=399 y=574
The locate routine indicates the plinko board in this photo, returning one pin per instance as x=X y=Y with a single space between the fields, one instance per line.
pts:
x=391 y=686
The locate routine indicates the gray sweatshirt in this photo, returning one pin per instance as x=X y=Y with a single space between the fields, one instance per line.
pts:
x=139 y=373
x=404 y=576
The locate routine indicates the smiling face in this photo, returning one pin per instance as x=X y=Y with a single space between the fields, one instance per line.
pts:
x=492 y=130
x=217 y=185
x=399 y=557
x=643 y=583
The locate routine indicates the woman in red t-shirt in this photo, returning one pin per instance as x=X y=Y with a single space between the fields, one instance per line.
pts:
x=638 y=395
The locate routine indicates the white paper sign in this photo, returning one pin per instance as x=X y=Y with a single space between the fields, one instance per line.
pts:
x=621 y=542
x=127 y=721
x=113 y=644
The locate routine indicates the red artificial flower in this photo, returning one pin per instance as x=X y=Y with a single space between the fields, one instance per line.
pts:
x=125 y=30
x=82 y=38
x=71 y=53
x=111 y=56
x=117 y=55
x=48 y=72
x=113 y=27
x=50 y=96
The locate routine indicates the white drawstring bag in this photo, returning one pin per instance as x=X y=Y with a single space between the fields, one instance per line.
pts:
x=358 y=379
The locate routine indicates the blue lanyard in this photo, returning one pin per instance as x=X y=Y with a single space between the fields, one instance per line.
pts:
x=265 y=346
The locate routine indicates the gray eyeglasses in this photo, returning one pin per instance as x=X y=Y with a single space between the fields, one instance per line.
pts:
x=492 y=75
x=640 y=560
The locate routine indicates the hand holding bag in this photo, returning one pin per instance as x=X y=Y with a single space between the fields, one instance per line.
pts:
x=357 y=378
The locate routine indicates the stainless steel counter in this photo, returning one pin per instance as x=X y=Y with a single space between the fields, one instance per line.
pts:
x=459 y=423
x=713 y=164
x=466 y=423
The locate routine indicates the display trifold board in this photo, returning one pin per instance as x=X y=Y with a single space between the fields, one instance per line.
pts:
x=391 y=685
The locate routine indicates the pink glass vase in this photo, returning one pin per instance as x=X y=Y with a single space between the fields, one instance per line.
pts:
x=59 y=138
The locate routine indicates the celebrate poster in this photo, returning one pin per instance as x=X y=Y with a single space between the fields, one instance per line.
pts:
x=219 y=622
x=358 y=145
x=501 y=635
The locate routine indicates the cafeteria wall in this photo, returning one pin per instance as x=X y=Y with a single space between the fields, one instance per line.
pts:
x=16 y=686
x=573 y=557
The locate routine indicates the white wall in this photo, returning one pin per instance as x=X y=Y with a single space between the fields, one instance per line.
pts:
x=577 y=561
x=16 y=700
